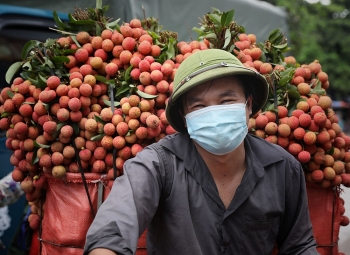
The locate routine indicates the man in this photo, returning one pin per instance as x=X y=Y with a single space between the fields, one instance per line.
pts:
x=211 y=188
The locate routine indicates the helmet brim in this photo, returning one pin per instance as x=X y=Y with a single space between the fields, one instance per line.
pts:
x=257 y=82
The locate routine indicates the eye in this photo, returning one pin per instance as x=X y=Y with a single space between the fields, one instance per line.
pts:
x=228 y=101
x=197 y=107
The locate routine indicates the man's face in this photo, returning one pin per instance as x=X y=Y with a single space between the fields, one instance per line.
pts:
x=224 y=90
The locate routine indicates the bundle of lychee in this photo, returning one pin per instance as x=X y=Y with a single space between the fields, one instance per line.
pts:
x=308 y=127
x=298 y=115
x=92 y=99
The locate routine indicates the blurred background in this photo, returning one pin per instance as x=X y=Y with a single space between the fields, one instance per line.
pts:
x=316 y=30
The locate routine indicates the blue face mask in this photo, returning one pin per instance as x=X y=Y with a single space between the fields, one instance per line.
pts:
x=219 y=129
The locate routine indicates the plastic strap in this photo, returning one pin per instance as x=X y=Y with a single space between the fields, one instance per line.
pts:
x=61 y=245
x=100 y=194
x=84 y=179
x=111 y=95
x=275 y=104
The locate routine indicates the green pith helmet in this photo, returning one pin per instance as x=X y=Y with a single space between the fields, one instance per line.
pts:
x=207 y=65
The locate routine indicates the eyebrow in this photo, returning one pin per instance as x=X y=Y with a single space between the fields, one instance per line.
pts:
x=196 y=99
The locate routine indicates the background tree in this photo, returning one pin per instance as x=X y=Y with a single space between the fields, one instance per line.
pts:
x=321 y=32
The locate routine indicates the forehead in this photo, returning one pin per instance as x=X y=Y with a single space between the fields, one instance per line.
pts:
x=219 y=85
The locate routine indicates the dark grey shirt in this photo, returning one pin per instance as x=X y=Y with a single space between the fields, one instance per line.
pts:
x=179 y=204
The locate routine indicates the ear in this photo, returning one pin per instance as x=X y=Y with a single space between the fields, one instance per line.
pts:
x=183 y=118
x=250 y=104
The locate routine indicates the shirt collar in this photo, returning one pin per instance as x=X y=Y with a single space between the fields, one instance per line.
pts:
x=261 y=152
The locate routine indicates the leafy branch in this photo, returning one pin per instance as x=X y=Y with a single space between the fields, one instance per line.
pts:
x=220 y=29
x=39 y=61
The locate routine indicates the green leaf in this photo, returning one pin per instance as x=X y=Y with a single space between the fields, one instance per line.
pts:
x=98 y=4
x=127 y=76
x=294 y=94
x=74 y=38
x=57 y=60
x=273 y=33
x=59 y=126
x=75 y=127
x=105 y=8
x=33 y=81
x=124 y=88
x=39 y=145
x=13 y=69
x=71 y=18
x=99 y=119
x=58 y=21
x=318 y=85
x=281 y=46
x=101 y=78
x=330 y=151
x=46 y=106
x=145 y=95
x=319 y=91
x=27 y=64
x=284 y=80
x=98 y=29
x=10 y=93
x=97 y=137
x=210 y=36
x=286 y=50
x=29 y=46
x=5 y=114
x=215 y=18
x=28 y=103
x=113 y=25
x=109 y=103
x=49 y=62
x=35 y=158
x=42 y=79
x=227 y=17
x=227 y=38
x=271 y=107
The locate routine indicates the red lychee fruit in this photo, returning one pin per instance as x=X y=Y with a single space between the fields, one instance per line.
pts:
x=261 y=121
x=74 y=104
x=271 y=128
x=325 y=102
x=50 y=127
x=67 y=131
x=283 y=130
x=53 y=81
x=83 y=37
x=81 y=55
x=107 y=45
x=144 y=47
x=304 y=120
x=46 y=96
x=58 y=171
x=265 y=68
x=152 y=121
x=111 y=69
x=62 y=115
x=125 y=56
x=122 y=128
x=309 y=138
x=317 y=175
x=294 y=149
x=323 y=137
x=304 y=157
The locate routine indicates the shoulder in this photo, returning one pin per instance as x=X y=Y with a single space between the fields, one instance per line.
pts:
x=176 y=144
x=267 y=151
